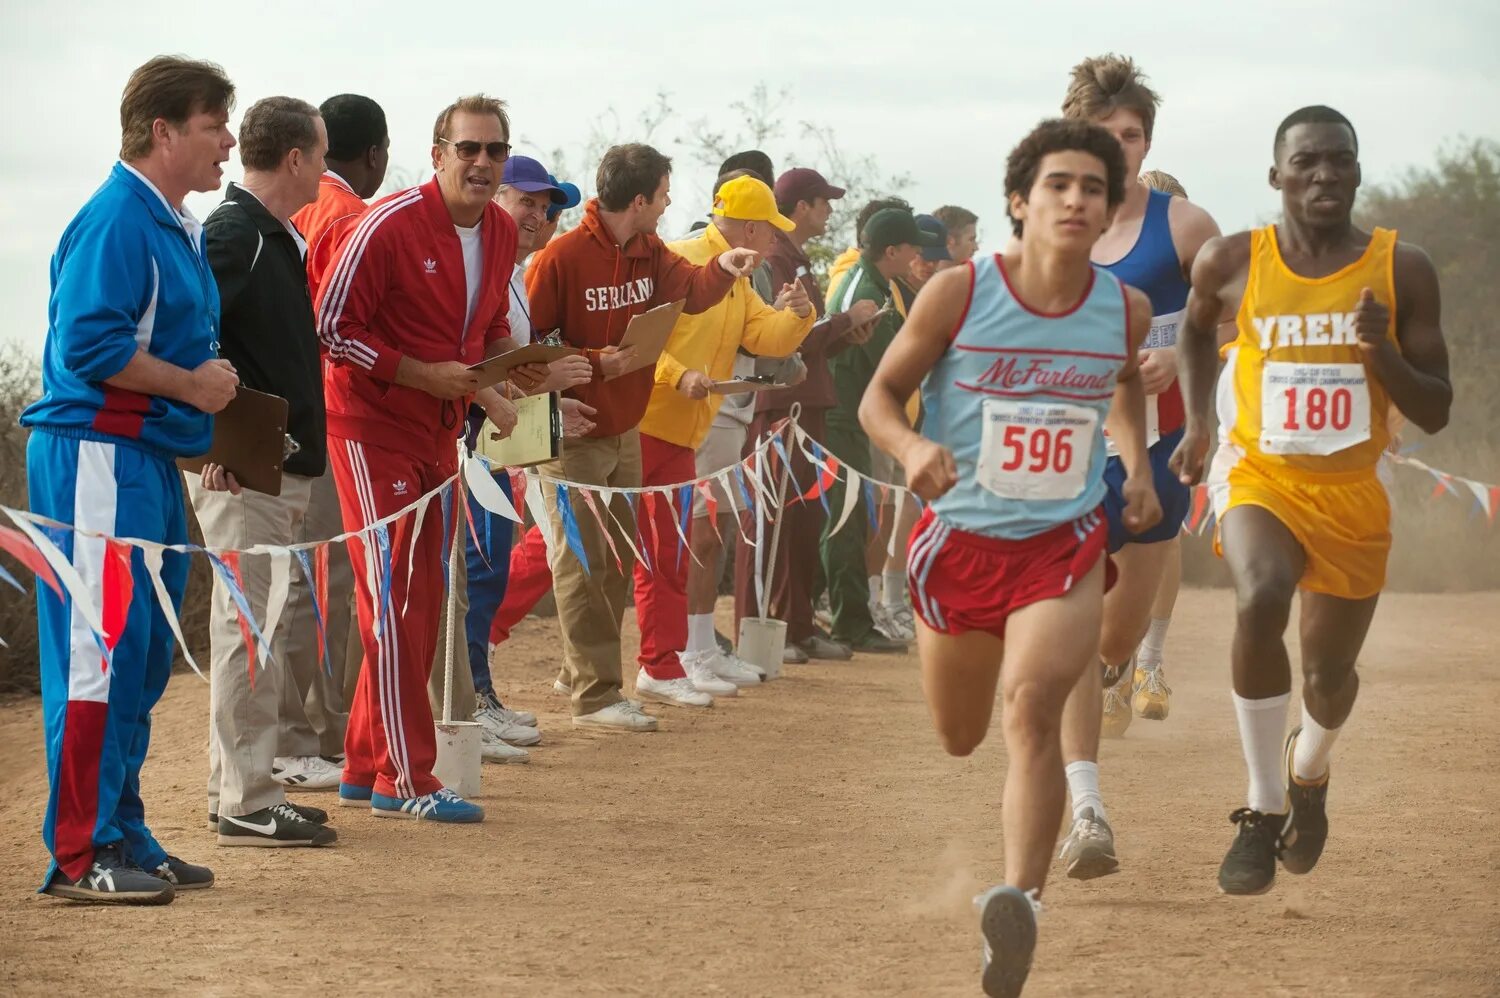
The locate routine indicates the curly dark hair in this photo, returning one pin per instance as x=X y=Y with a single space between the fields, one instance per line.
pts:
x=1063 y=135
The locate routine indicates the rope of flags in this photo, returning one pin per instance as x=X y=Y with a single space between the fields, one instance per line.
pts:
x=749 y=484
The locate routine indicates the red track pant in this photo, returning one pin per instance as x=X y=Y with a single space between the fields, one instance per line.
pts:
x=661 y=593
x=530 y=578
x=390 y=744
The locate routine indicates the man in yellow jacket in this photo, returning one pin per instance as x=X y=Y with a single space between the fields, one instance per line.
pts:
x=700 y=351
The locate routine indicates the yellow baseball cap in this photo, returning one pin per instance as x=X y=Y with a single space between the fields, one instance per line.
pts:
x=750 y=200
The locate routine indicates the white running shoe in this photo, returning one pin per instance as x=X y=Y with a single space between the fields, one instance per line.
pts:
x=680 y=692
x=525 y=718
x=700 y=672
x=492 y=716
x=306 y=772
x=623 y=716
x=902 y=617
x=729 y=666
x=493 y=749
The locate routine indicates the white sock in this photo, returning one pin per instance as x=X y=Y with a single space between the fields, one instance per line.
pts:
x=874 y=591
x=1154 y=643
x=1262 y=732
x=1083 y=786
x=700 y=633
x=894 y=586
x=1314 y=745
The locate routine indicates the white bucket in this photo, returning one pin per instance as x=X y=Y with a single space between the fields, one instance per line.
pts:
x=762 y=643
x=458 y=757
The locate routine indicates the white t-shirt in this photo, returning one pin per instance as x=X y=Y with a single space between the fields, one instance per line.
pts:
x=520 y=308
x=473 y=266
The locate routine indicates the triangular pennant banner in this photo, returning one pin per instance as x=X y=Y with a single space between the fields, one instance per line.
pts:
x=609 y=537
x=570 y=527
x=17 y=544
x=280 y=588
x=153 y=556
x=851 y=499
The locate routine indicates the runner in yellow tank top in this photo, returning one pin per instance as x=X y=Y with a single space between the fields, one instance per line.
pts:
x=1335 y=325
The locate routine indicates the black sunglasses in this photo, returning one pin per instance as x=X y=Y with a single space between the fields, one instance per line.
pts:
x=468 y=150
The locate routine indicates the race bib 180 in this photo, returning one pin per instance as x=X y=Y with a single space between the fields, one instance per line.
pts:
x=1317 y=409
x=1036 y=450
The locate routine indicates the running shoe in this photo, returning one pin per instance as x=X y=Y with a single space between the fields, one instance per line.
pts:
x=1250 y=865
x=700 y=672
x=1308 y=832
x=306 y=772
x=277 y=826
x=1007 y=922
x=731 y=668
x=316 y=815
x=824 y=648
x=497 y=721
x=1089 y=849
x=442 y=805
x=184 y=876
x=1153 y=698
x=1117 y=712
x=353 y=795
x=111 y=879
x=677 y=692
x=493 y=749
x=625 y=715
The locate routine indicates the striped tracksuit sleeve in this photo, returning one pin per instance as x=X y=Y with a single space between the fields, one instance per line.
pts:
x=352 y=292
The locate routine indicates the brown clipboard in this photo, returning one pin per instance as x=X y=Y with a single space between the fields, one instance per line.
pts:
x=249 y=441
x=497 y=369
x=649 y=332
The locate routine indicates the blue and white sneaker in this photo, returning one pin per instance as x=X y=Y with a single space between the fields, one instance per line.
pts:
x=1007 y=920
x=441 y=805
x=352 y=795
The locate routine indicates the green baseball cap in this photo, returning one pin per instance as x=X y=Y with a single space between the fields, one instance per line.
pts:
x=895 y=226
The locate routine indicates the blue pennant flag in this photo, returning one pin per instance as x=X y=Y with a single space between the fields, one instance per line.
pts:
x=870 y=504
x=570 y=526
x=7 y=577
x=238 y=595
x=786 y=461
x=739 y=479
x=684 y=518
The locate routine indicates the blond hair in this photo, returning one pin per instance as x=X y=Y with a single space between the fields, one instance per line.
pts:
x=1104 y=84
x=1160 y=180
x=472 y=104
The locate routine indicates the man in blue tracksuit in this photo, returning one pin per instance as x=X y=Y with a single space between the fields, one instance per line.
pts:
x=129 y=381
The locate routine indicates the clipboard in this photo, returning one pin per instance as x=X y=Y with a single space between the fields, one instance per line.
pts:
x=249 y=441
x=649 y=331
x=535 y=440
x=495 y=370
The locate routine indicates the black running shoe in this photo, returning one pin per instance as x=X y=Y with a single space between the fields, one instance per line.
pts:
x=878 y=644
x=1250 y=865
x=112 y=879
x=277 y=826
x=316 y=815
x=1303 y=843
x=184 y=876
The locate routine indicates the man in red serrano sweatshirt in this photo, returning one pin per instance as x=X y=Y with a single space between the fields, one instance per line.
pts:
x=587 y=284
x=419 y=291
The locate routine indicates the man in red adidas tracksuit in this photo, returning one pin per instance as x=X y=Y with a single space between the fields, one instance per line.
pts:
x=420 y=291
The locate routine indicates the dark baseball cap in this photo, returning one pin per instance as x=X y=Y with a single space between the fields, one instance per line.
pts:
x=804 y=184
x=938 y=253
x=526 y=174
x=895 y=226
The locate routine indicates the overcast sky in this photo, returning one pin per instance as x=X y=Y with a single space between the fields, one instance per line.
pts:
x=939 y=91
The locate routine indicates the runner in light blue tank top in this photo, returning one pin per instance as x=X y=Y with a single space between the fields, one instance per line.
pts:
x=1020 y=399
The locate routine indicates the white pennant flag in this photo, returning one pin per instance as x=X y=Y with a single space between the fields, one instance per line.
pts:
x=890 y=549
x=487 y=490
x=66 y=573
x=281 y=581
x=536 y=505
x=851 y=499
x=152 y=556
x=1481 y=493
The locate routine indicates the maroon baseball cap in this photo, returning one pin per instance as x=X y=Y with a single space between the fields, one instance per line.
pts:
x=804 y=184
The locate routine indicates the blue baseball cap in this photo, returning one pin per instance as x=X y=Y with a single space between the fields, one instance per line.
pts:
x=938 y=253
x=574 y=197
x=526 y=174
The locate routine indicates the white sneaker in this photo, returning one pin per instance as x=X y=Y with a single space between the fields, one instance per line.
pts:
x=681 y=692
x=306 y=772
x=623 y=716
x=492 y=717
x=881 y=618
x=525 y=718
x=700 y=672
x=902 y=619
x=731 y=667
x=492 y=749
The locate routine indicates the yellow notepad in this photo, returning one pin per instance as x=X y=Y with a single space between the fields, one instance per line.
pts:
x=534 y=440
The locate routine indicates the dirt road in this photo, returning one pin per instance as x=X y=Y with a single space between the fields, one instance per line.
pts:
x=811 y=839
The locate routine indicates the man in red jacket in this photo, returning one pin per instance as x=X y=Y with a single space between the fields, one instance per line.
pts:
x=418 y=293
x=587 y=284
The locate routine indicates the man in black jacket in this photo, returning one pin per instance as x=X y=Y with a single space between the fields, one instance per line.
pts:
x=268 y=333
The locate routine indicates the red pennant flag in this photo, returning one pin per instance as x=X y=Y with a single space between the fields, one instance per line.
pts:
x=231 y=560
x=825 y=480
x=320 y=590
x=649 y=500
x=1200 y=503
x=19 y=546
x=1439 y=489
x=119 y=587
x=1494 y=502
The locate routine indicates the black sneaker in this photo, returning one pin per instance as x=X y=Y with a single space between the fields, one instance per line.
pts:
x=1250 y=865
x=271 y=827
x=1308 y=828
x=316 y=815
x=184 y=876
x=878 y=644
x=112 y=879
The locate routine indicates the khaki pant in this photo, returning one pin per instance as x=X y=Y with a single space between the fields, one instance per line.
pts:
x=315 y=705
x=244 y=714
x=451 y=633
x=590 y=606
